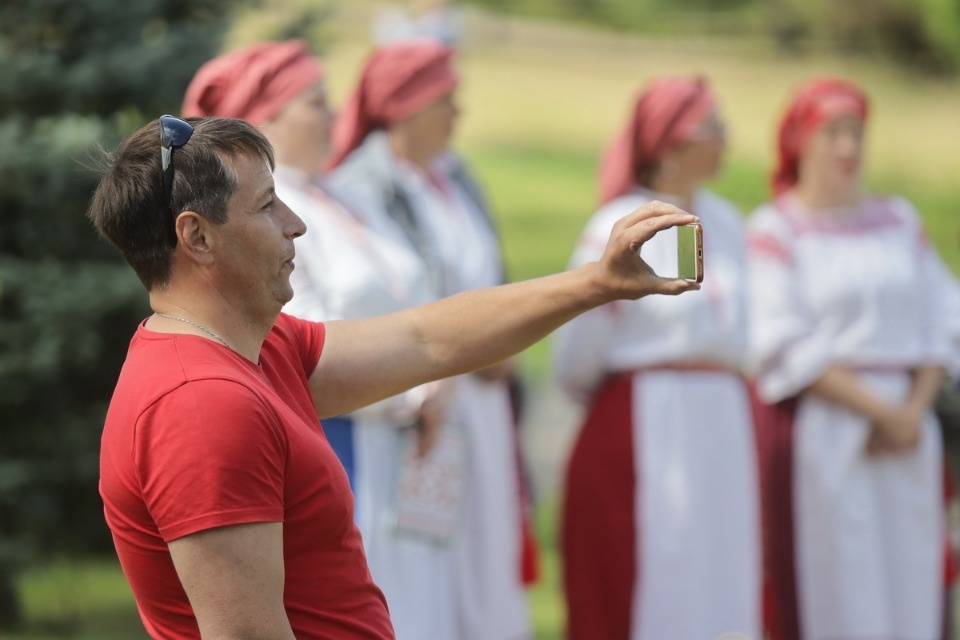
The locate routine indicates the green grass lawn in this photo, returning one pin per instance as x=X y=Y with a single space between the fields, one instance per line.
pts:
x=546 y=603
x=81 y=599
x=88 y=599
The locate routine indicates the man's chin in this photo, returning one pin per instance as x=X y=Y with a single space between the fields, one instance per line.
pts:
x=285 y=296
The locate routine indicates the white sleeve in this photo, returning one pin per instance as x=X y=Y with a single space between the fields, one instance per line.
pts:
x=947 y=352
x=786 y=353
x=941 y=301
x=580 y=346
x=952 y=304
x=942 y=312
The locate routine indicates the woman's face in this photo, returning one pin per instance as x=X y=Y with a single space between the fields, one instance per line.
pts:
x=699 y=158
x=832 y=156
x=300 y=133
x=432 y=126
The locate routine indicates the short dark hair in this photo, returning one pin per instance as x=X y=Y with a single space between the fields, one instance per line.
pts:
x=129 y=208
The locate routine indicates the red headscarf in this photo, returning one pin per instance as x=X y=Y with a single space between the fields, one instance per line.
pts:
x=397 y=81
x=814 y=103
x=254 y=83
x=667 y=113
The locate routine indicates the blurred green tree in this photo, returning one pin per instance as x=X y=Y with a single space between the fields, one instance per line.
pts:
x=921 y=35
x=73 y=75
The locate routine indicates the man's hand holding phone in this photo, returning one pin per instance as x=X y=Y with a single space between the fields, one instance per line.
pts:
x=678 y=252
x=625 y=272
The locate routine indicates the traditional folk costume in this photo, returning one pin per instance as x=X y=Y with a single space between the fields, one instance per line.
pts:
x=446 y=222
x=660 y=533
x=854 y=543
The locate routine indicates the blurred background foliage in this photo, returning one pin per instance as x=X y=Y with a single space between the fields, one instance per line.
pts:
x=546 y=82
x=74 y=74
x=921 y=35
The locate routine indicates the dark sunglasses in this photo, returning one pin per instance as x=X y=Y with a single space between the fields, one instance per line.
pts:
x=174 y=133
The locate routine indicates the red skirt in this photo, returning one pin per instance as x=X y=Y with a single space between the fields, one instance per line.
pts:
x=598 y=531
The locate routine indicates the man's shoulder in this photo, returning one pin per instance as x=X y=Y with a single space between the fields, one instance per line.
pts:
x=159 y=364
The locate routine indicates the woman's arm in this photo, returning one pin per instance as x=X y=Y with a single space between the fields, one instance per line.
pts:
x=896 y=427
x=842 y=387
x=926 y=383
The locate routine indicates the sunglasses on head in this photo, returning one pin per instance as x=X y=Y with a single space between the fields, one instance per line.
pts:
x=174 y=133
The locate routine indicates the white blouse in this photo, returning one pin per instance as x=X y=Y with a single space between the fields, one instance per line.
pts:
x=860 y=286
x=464 y=240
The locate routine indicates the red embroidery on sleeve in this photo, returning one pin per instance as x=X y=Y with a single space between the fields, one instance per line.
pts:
x=767 y=245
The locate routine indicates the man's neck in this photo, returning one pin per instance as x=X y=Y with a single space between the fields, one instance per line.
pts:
x=209 y=315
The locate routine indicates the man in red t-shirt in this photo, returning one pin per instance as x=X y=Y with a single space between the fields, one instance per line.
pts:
x=230 y=513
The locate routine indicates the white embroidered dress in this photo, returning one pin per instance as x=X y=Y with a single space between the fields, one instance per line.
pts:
x=695 y=505
x=862 y=288
x=491 y=594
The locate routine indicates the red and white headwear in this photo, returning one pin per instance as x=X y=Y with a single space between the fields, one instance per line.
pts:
x=397 y=80
x=254 y=83
x=813 y=104
x=666 y=114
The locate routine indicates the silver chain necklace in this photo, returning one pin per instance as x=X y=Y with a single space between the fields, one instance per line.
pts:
x=197 y=325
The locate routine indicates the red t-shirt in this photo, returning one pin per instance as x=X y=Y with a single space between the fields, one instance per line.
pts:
x=198 y=437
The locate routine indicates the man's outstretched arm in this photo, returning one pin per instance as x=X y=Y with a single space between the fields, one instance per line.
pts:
x=366 y=360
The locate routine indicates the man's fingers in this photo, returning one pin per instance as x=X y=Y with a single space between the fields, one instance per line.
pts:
x=657 y=215
x=651 y=226
x=646 y=227
x=675 y=286
x=651 y=209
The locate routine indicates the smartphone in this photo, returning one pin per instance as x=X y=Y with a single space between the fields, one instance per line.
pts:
x=690 y=252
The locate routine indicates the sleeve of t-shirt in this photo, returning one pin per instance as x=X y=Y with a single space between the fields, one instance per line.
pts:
x=211 y=453
x=307 y=338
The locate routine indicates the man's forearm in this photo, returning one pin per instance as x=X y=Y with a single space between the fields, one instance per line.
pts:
x=465 y=332
x=479 y=328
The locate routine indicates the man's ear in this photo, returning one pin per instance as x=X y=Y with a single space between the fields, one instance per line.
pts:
x=193 y=236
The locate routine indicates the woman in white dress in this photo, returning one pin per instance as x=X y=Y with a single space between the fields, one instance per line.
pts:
x=849 y=340
x=392 y=159
x=351 y=263
x=660 y=531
